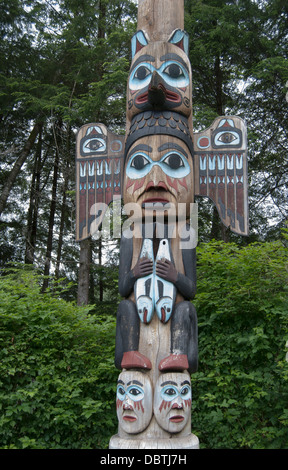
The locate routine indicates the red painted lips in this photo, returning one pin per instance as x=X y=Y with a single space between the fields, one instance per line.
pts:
x=177 y=419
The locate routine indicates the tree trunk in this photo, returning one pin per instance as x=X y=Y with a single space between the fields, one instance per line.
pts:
x=32 y=216
x=51 y=219
x=218 y=229
x=84 y=272
x=17 y=165
x=63 y=205
x=219 y=87
x=84 y=278
x=101 y=288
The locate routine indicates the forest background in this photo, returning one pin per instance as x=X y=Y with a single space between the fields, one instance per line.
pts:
x=65 y=63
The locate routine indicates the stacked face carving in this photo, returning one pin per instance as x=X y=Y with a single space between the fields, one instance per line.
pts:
x=135 y=403
x=158 y=176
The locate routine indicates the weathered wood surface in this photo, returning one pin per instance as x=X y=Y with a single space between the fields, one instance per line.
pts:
x=159 y=18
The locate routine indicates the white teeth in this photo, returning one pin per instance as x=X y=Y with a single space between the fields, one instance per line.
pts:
x=156 y=205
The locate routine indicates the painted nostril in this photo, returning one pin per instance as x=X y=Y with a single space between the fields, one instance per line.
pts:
x=160 y=185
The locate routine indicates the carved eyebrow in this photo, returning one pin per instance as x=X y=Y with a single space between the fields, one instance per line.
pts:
x=185 y=382
x=144 y=147
x=136 y=382
x=169 y=382
x=171 y=145
x=172 y=56
x=120 y=382
x=143 y=58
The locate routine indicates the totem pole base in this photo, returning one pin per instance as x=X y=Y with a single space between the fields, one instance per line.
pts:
x=187 y=442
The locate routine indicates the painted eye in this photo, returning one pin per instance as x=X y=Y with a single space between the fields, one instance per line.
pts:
x=174 y=71
x=140 y=76
x=121 y=392
x=185 y=390
x=94 y=145
x=134 y=391
x=139 y=162
x=174 y=161
x=227 y=137
x=174 y=74
x=141 y=73
x=170 y=392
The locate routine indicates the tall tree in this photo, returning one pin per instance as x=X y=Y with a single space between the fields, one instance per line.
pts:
x=234 y=47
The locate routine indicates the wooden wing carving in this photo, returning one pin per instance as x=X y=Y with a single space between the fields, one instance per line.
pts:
x=99 y=171
x=220 y=165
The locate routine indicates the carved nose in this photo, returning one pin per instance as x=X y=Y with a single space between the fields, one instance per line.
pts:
x=156 y=185
x=177 y=406
x=127 y=406
x=156 y=91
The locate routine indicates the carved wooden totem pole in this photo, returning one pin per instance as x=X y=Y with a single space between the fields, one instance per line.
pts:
x=158 y=168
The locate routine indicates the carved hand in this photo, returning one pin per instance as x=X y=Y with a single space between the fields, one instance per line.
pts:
x=143 y=267
x=166 y=270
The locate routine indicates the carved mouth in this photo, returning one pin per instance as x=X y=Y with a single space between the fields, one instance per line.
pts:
x=177 y=419
x=142 y=98
x=129 y=418
x=155 y=200
x=169 y=95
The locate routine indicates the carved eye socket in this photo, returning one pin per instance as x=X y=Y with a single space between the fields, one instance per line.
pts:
x=141 y=73
x=94 y=145
x=174 y=71
x=185 y=391
x=140 y=76
x=170 y=392
x=139 y=162
x=227 y=137
x=174 y=161
x=134 y=391
x=121 y=393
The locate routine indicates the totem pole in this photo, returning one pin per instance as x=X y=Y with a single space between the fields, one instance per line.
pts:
x=158 y=168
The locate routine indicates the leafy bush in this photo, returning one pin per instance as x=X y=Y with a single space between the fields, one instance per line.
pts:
x=57 y=374
x=240 y=392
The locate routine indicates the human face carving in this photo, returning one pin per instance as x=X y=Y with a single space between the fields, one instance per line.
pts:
x=172 y=401
x=158 y=169
x=134 y=401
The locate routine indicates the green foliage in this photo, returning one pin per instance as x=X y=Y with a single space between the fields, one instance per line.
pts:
x=240 y=392
x=57 y=361
x=57 y=372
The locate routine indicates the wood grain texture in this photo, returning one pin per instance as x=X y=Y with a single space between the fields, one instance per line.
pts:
x=159 y=18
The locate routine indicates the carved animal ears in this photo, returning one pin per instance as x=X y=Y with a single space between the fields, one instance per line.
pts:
x=138 y=41
x=179 y=37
